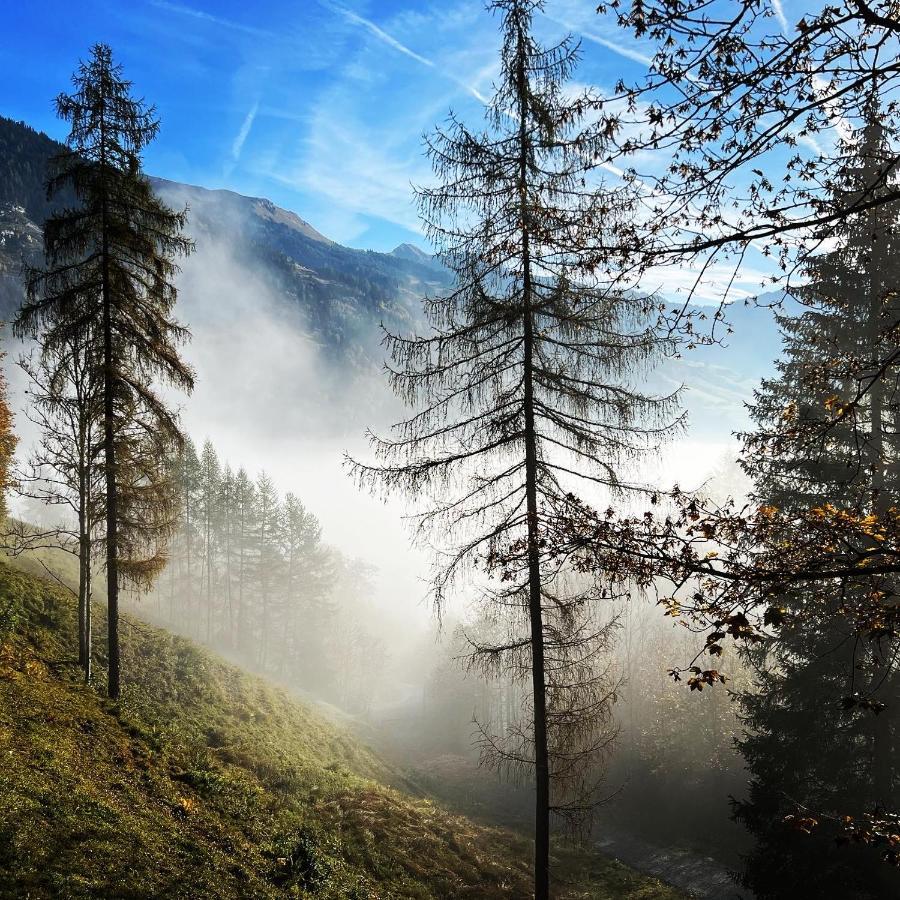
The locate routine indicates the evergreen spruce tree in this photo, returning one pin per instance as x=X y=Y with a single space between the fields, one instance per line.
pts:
x=829 y=433
x=523 y=389
x=107 y=288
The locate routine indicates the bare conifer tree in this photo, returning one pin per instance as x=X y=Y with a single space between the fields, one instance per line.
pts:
x=524 y=386
x=63 y=467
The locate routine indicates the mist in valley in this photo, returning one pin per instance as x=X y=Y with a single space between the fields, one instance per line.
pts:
x=273 y=398
x=552 y=552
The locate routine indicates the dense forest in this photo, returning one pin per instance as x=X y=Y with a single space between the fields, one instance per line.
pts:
x=700 y=680
x=265 y=590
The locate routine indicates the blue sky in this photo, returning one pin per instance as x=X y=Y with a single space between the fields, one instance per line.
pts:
x=318 y=105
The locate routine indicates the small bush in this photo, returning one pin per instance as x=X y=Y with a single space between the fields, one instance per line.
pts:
x=308 y=864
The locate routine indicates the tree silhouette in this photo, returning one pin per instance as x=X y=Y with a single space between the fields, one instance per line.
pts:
x=107 y=288
x=804 y=747
x=524 y=384
x=62 y=469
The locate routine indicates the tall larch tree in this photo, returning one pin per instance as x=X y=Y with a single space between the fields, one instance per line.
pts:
x=523 y=389
x=244 y=549
x=227 y=522
x=186 y=475
x=306 y=575
x=267 y=562
x=107 y=286
x=210 y=513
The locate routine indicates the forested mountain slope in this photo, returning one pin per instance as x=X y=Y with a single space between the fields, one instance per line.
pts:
x=207 y=782
x=24 y=154
x=328 y=300
x=341 y=291
x=341 y=294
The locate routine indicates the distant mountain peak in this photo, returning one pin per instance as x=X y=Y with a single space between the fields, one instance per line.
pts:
x=266 y=209
x=411 y=251
x=195 y=197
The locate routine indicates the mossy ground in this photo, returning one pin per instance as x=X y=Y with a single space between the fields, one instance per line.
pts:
x=205 y=782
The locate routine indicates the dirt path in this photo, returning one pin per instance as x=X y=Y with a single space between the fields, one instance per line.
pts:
x=701 y=876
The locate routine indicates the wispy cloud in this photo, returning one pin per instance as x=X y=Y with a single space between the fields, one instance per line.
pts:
x=620 y=48
x=202 y=15
x=244 y=132
x=579 y=18
x=380 y=34
x=383 y=161
x=779 y=14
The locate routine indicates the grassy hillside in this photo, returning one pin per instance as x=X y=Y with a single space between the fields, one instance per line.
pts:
x=205 y=782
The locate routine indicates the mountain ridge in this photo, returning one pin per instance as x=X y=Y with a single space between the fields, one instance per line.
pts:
x=262 y=206
x=339 y=289
x=334 y=296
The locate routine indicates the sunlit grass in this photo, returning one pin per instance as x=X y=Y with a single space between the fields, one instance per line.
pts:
x=208 y=782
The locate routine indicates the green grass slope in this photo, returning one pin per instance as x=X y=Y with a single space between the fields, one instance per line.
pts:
x=205 y=782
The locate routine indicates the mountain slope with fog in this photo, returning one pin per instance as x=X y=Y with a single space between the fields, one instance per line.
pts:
x=287 y=350
x=288 y=358
x=286 y=347
x=340 y=292
x=332 y=298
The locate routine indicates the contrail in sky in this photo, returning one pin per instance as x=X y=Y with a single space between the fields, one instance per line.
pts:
x=183 y=10
x=379 y=33
x=242 y=135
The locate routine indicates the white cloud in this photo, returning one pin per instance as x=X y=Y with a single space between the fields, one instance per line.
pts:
x=582 y=19
x=359 y=150
x=378 y=32
x=620 y=48
x=357 y=165
x=388 y=39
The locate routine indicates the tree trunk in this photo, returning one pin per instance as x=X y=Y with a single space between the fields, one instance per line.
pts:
x=172 y=588
x=109 y=443
x=228 y=597
x=84 y=595
x=208 y=569
x=541 y=756
x=88 y=587
x=188 y=600
x=535 y=612
x=239 y=618
x=82 y=605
